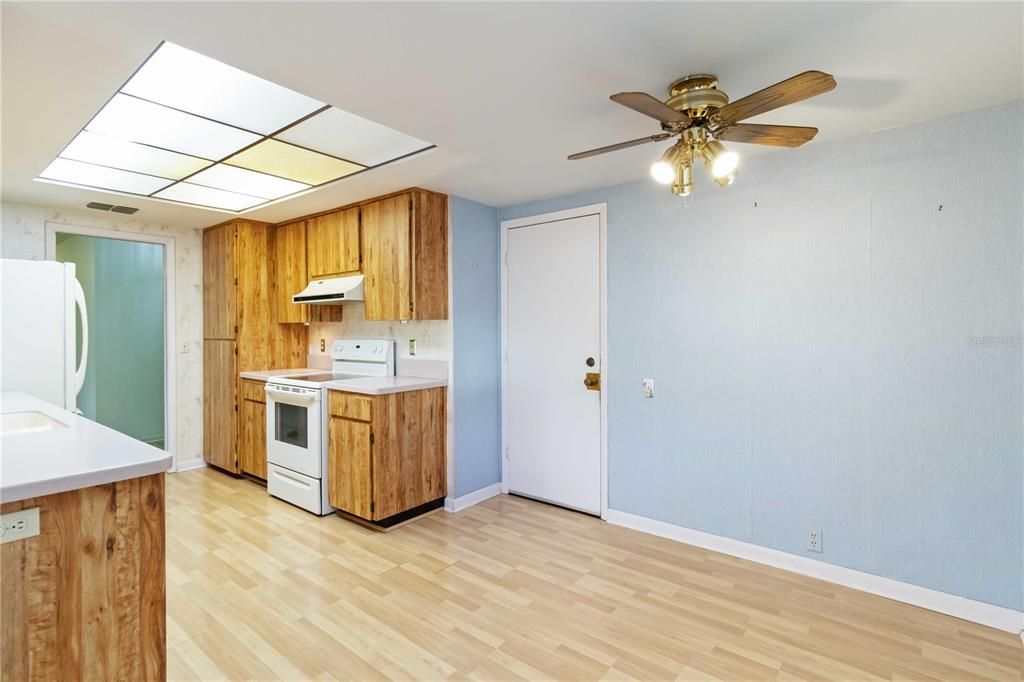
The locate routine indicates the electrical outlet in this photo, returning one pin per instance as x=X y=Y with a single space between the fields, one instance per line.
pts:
x=19 y=525
x=648 y=388
x=412 y=346
x=184 y=347
x=814 y=540
x=323 y=345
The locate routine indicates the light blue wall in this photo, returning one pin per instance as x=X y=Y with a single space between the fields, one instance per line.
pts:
x=476 y=311
x=809 y=331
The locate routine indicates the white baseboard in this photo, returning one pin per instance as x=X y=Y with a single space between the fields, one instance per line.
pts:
x=457 y=504
x=960 y=607
x=188 y=464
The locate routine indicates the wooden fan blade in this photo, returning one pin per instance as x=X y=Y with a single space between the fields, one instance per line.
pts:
x=649 y=106
x=621 y=145
x=795 y=89
x=776 y=136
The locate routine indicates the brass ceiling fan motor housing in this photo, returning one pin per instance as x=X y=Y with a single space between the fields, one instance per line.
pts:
x=696 y=95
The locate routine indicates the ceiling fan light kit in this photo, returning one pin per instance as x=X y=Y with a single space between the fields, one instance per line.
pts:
x=700 y=115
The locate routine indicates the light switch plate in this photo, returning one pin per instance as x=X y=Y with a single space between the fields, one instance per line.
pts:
x=648 y=388
x=19 y=525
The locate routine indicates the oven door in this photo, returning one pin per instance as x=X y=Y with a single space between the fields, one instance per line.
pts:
x=294 y=428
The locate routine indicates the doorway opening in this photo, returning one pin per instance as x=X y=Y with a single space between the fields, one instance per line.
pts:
x=127 y=289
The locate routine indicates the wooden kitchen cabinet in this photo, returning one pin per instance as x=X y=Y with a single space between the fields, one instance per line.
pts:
x=386 y=453
x=220 y=372
x=252 y=425
x=219 y=283
x=405 y=256
x=290 y=271
x=289 y=266
x=332 y=244
x=239 y=330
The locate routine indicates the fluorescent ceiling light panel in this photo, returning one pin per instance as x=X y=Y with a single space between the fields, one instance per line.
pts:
x=208 y=196
x=289 y=161
x=245 y=181
x=352 y=137
x=110 y=151
x=191 y=129
x=186 y=80
x=137 y=120
x=100 y=177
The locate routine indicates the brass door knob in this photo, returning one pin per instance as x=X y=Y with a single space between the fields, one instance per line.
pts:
x=592 y=381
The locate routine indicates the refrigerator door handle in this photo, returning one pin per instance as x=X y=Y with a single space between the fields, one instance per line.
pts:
x=80 y=304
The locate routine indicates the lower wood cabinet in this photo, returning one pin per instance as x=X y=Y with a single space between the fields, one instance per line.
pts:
x=220 y=386
x=252 y=425
x=386 y=453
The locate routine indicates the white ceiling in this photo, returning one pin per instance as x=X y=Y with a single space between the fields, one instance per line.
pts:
x=506 y=90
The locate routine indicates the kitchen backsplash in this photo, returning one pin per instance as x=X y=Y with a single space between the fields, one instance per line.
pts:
x=433 y=337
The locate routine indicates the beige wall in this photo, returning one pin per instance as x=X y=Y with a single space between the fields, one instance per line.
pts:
x=22 y=230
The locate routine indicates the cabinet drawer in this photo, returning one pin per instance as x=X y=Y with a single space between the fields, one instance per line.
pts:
x=254 y=390
x=350 y=406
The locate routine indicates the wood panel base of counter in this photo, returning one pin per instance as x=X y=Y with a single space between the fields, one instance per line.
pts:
x=85 y=599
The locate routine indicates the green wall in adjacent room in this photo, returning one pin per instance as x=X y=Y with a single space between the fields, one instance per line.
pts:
x=124 y=291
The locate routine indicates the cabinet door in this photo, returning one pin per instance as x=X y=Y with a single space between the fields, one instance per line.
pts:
x=220 y=382
x=348 y=467
x=430 y=257
x=219 y=282
x=252 y=441
x=254 y=302
x=333 y=244
x=409 y=450
x=290 y=269
x=387 y=258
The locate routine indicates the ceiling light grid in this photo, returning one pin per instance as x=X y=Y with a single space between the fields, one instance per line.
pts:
x=189 y=129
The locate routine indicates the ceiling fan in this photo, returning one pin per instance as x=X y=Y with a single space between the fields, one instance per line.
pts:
x=701 y=115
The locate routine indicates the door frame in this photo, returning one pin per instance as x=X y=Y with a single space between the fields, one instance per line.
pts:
x=170 y=369
x=601 y=211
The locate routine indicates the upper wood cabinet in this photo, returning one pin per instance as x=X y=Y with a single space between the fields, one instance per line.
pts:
x=290 y=271
x=219 y=283
x=291 y=275
x=332 y=244
x=405 y=257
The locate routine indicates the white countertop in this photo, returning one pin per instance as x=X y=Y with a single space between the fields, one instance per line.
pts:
x=264 y=374
x=366 y=385
x=384 y=385
x=75 y=453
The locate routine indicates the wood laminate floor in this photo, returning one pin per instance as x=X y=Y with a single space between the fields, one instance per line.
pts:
x=517 y=590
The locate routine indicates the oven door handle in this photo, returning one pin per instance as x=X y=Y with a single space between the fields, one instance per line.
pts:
x=292 y=398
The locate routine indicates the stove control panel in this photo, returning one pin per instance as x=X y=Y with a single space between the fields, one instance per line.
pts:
x=362 y=350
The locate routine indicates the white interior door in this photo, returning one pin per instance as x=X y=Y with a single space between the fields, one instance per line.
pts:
x=553 y=339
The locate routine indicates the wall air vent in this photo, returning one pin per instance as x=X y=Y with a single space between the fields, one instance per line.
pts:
x=127 y=210
x=99 y=206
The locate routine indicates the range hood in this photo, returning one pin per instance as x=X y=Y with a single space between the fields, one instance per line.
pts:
x=333 y=290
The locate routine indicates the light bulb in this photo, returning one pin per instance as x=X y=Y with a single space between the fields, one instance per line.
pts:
x=725 y=164
x=663 y=172
x=719 y=160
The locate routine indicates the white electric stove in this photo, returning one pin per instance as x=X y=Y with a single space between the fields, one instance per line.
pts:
x=297 y=418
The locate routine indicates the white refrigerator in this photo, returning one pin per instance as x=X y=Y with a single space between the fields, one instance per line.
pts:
x=39 y=300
